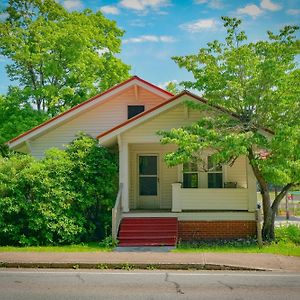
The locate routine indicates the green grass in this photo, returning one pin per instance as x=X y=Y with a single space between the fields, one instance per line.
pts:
x=287 y=243
x=288 y=249
x=88 y=247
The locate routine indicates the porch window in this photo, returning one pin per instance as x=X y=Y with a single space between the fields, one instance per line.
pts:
x=214 y=175
x=190 y=175
x=133 y=110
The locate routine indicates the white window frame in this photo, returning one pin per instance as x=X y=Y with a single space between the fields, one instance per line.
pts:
x=202 y=181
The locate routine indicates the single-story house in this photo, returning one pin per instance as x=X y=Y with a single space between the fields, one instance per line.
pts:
x=156 y=204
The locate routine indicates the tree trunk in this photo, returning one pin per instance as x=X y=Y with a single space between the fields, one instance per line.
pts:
x=269 y=210
x=268 y=232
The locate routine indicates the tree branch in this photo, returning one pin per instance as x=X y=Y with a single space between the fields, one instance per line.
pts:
x=280 y=196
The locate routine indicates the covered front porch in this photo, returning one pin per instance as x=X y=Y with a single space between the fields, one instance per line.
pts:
x=217 y=198
x=149 y=188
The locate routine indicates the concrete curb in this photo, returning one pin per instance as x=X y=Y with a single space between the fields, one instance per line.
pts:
x=127 y=266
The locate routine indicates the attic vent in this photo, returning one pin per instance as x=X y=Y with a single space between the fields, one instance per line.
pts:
x=134 y=110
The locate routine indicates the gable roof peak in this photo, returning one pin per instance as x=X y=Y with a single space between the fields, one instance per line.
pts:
x=87 y=104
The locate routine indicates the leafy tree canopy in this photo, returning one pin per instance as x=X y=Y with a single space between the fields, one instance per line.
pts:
x=258 y=84
x=17 y=116
x=173 y=87
x=60 y=58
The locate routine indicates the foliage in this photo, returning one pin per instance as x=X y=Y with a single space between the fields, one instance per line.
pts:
x=58 y=57
x=82 y=247
x=288 y=234
x=256 y=86
x=64 y=198
x=173 y=87
x=16 y=117
x=108 y=242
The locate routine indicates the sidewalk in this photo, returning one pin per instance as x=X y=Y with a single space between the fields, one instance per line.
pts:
x=150 y=260
x=282 y=221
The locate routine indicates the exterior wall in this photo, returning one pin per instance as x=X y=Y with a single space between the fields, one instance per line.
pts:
x=144 y=139
x=174 y=118
x=105 y=116
x=208 y=230
x=237 y=172
x=166 y=175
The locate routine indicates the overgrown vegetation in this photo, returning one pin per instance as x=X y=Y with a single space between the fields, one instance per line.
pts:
x=287 y=242
x=64 y=198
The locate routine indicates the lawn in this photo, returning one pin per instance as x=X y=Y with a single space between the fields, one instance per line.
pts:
x=287 y=243
x=84 y=247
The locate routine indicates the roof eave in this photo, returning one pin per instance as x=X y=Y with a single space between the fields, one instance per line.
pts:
x=74 y=111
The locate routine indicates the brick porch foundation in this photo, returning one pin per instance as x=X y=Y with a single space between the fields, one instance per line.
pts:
x=201 y=230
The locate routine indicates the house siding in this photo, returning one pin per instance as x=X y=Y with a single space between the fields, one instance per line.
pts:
x=236 y=173
x=144 y=139
x=99 y=119
x=173 y=118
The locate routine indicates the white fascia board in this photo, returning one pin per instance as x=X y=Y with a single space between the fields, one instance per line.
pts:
x=89 y=105
x=153 y=90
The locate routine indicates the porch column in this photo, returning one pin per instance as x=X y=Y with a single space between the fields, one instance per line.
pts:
x=123 y=172
x=251 y=185
x=176 y=197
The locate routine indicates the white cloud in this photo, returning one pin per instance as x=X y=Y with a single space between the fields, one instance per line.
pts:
x=199 y=25
x=293 y=12
x=251 y=10
x=72 y=4
x=167 y=39
x=141 y=5
x=269 y=5
x=150 y=38
x=217 y=4
x=110 y=9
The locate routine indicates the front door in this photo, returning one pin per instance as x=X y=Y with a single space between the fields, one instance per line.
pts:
x=148 y=181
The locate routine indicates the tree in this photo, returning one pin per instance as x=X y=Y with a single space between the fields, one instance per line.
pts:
x=60 y=58
x=258 y=84
x=173 y=87
x=16 y=116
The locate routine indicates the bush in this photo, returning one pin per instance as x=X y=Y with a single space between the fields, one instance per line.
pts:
x=288 y=234
x=64 y=198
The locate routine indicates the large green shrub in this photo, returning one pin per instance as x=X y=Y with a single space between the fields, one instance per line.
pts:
x=64 y=198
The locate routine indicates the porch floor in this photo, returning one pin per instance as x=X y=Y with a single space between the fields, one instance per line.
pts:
x=195 y=215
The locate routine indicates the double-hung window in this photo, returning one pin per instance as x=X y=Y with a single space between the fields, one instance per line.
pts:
x=190 y=175
x=214 y=175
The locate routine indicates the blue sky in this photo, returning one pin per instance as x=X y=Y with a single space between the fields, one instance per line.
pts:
x=156 y=30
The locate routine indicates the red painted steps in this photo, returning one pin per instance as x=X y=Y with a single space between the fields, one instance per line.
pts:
x=148 y=232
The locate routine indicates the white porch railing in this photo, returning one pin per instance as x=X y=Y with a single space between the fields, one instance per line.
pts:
x=117 y=213
x=209 y=199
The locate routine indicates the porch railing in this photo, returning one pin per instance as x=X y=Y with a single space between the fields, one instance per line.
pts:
x=117 y=213
x=208 y=199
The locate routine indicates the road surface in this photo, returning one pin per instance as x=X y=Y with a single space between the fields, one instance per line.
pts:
x=93 y=284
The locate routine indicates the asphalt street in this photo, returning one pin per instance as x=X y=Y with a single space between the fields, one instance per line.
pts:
x=78 y=284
